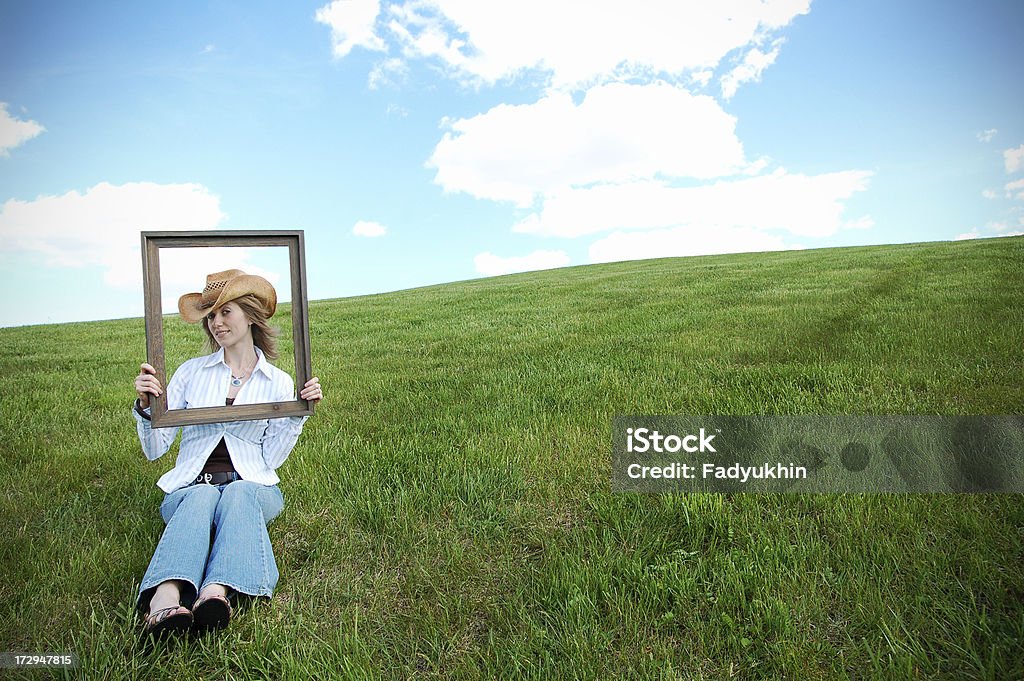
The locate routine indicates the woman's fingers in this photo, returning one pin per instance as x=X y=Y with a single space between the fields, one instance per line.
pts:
x=312 y=390
x=147 y=382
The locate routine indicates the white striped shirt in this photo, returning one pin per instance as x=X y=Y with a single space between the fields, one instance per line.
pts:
x=256 y=447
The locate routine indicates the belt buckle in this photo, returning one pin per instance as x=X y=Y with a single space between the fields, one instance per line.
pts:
x=208 y=478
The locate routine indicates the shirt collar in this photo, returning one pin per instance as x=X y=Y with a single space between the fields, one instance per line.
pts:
x=262 y=364
x=215 y=358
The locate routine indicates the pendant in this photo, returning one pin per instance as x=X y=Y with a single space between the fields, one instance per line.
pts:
x=236 y=381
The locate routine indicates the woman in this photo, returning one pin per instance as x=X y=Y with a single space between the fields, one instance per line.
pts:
x=222 y=491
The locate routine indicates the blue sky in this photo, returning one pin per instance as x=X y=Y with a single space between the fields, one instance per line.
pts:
x=419 y=142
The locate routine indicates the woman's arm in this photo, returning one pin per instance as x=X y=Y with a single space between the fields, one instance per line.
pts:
x=156 y=441
x=282 y=434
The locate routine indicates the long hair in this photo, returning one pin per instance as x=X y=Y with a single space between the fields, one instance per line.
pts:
x=264 y=336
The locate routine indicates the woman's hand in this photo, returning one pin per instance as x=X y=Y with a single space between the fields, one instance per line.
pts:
x=311 y=391
x=146 y=384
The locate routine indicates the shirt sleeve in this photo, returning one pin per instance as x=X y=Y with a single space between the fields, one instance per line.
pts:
x=156 y=441
x=282 y=434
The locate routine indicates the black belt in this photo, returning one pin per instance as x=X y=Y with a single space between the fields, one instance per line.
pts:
x=216 y=478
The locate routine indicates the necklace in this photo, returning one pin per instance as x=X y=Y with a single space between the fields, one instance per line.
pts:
x=237 y=380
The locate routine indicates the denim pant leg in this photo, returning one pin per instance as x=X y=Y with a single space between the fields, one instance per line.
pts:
x=241 y=556
x=185 y=544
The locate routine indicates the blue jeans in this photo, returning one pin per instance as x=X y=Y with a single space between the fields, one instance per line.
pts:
x=216 y=535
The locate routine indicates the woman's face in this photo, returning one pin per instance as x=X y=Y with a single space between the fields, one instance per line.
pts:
x=229 y=325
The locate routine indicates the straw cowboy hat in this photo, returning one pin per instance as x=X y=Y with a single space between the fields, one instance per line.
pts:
x=223 y=287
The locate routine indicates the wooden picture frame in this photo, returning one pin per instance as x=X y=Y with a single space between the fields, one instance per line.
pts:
x=152 y=242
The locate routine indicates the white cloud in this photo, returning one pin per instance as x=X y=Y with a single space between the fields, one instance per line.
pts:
x=701 y=79
x=386 y=73
x=975 y=234
x=683 y=241
x=992 y=229
x=369 y=229
x=625 y=152
x=987 y=135
x=15 y=132
x=808 y=205
x=424 y=36
x=1014 y=159
x=989 y=194
x=101 y=226
x=1015 y=189
x=579 y=43
x=492 y=265
x=352 y=25
x=618 y=133
x=750 y=69
x=184 y=270
x=616 y=160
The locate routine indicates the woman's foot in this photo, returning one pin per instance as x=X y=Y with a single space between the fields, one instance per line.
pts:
x=212 y=610
x=174 y=619
x=166 y=613
x=167 y=594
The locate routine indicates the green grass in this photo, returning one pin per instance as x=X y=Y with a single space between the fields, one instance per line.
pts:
x=449 y=512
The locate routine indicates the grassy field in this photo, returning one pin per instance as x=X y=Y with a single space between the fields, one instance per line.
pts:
x=449 y=512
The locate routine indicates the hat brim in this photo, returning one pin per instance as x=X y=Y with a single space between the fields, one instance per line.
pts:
x=190 y=307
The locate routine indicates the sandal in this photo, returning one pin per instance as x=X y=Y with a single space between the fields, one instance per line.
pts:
x=173 y=620
x=212 y=612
